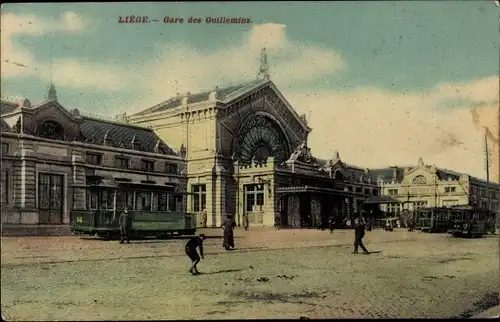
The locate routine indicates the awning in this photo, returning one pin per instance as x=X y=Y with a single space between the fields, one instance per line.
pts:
x=380 y=200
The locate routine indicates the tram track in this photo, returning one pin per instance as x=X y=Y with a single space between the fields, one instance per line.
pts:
x=235 y=251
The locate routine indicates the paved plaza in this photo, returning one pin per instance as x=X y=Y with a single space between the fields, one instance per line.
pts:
x=271 y=274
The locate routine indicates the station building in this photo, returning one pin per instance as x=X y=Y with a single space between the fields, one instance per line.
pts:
x=46 y=149
x=247 y=154
x=424 y=185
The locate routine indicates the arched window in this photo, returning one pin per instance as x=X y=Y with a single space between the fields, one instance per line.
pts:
x=338 y=175
x=419 y=180
x=51 y=130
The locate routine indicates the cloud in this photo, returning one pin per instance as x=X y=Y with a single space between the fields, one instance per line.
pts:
x=370 y=126
x=376 y=128
x=14 y=55
x=72 y=22
x=182 y=68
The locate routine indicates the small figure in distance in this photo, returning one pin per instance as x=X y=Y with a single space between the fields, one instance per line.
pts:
x=245 y=221
x=331 y=223
x=205 y=218
x=228 y=227
x=192 y=244
x=359 y=233
x=124 y=227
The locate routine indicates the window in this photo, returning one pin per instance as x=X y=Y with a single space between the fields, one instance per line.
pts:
x=5 y=187
x=450 y=189
x=5 y=148
x=450 y=203
x=394 y=208
x=51 y=130
x=143 y=200
x=148 y=165
x=359 y=190
x=254 y=196
x=124 y=199
x=165 y=202
x=392 y=192
x=171 y=168
x=94 y=158
x=92 y=197
x=199 y=197
x=122 y=162
x=107 y=199
x=50 y=191
x=420 y=204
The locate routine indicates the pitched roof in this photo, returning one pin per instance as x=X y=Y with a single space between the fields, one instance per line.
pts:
x=223 y=94
x=4 y=127
x=7 y=107
x=387 y=173
x=121 y=135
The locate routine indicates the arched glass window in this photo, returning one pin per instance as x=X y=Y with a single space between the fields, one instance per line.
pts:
x=51 y=130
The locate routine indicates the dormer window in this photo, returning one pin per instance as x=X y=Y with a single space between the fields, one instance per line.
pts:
x=51 y=130
x=107 y=139
x=135 y=143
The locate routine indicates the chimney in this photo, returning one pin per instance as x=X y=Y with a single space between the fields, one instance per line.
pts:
x=394 y=172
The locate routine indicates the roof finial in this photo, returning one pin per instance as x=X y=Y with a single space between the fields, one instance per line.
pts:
x=264 y=67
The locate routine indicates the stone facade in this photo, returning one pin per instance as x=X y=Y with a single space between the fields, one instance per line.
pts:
x=245 y=143
x=428 y=186
x=40 y=163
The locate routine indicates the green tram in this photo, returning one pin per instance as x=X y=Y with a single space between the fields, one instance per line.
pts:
x=469 y=221
x=432 y=220
x=154 y=211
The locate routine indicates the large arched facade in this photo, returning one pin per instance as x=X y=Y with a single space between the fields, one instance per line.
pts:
x=259 y=138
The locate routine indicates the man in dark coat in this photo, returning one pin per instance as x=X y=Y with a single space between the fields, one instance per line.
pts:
x=124 y=221
x=331 y=223
x=228 y=227
x=192 y=244
x=359 y=233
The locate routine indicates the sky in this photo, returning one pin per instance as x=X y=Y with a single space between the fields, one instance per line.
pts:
x=383 y=83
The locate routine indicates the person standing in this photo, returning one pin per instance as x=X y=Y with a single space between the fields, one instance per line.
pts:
x=245 y=221
x=359 y=233
x=331 y=223
x=228 y=227
x=205 y=218
x=124 y=221
x=190 y=249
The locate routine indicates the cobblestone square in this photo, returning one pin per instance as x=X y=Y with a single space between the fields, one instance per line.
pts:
x=270 y=274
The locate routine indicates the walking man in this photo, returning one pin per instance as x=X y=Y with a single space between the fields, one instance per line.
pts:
x=228 y=227
x=192 y=244
x=359 y=233
x=124 y=227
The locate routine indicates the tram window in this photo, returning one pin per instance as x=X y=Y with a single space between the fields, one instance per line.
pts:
x=143 y=200
x=172 y=202
x=107 y=199
x=92 y=200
